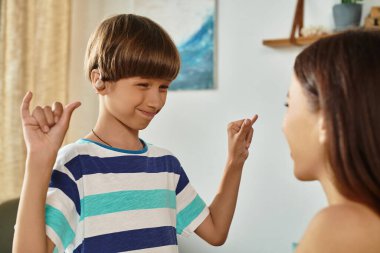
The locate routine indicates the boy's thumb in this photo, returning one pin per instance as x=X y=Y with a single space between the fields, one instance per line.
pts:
x=68 y=111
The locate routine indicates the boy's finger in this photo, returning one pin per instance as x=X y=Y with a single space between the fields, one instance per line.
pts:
x=25 y=105
x=49 y=115
x=39 y=115
x=244 y=128
x=235 y=126
x=251 y=130
x=57 y=111
x=239 y=123
x=249 y=137
x=253 y=120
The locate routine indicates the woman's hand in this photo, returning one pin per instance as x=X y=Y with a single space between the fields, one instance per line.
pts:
x=45 y=129
x=240 y=135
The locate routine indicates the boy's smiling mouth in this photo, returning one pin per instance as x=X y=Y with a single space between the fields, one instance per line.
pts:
x=148 y=114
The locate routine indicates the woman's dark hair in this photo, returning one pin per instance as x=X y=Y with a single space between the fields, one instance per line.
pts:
x=340 y=75
x=129 y=45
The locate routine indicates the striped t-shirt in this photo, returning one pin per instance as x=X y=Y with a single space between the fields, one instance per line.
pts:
x=103 y=199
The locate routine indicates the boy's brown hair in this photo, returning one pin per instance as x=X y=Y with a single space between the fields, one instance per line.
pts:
x=128 y=45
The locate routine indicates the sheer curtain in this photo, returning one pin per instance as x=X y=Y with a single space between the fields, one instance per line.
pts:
x=34 y=52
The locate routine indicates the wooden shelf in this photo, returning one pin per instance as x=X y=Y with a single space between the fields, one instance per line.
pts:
x=295 y=38
x=300 y=41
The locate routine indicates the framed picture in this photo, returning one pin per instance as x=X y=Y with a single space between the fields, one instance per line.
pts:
x=191 y=24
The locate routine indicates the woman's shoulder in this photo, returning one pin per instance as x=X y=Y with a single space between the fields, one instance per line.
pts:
x=351 y=212
x=348 y=228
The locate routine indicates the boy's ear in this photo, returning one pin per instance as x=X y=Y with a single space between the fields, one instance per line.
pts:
x=96 y=80
x=322 y=129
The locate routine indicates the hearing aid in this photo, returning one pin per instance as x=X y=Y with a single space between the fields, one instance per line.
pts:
x=99 y=84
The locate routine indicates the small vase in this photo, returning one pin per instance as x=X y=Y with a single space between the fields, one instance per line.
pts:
x=347 y=16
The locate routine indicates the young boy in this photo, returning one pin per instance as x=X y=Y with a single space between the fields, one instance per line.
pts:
x=110 y=191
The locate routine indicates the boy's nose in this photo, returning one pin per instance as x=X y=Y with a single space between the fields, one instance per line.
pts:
x=155 y=99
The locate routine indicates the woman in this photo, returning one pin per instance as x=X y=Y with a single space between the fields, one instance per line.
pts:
x=333 y=129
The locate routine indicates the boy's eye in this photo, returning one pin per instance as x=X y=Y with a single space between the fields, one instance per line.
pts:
x=143 y=85
x=164 y=87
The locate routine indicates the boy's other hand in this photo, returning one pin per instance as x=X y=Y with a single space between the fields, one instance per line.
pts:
x=45 y=129
x=240 y=135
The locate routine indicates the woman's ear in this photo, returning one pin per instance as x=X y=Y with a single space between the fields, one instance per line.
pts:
x=96 y=80
x=322 y=129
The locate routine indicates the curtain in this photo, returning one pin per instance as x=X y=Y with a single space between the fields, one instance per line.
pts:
x=34 y=51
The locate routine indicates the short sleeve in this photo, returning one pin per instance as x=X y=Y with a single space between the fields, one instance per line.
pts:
x=191 y=209
x=62 y=209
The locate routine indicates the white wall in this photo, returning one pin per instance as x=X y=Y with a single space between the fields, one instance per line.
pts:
x=273 y=208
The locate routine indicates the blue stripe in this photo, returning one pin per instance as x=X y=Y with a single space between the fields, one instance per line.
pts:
x=189 y=213
x=182 y=182
x=132 y=240
x=55 y=219
x=86 y=165
x=63 y=182
x=78 y=249
x=99 y=204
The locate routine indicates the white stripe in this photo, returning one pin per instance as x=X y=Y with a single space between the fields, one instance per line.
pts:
x=60 y=201
x=163 y=249
x=80 y=188
x=155 y=151
x=59 y=166
x=112 y=182
x=84 y=147
x=129 y=220
x=185 y=197
x=78 y=240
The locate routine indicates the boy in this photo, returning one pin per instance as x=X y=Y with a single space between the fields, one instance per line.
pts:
x=110 y=191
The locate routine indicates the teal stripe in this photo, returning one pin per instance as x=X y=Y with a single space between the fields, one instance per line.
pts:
x=294 y=246
x=55 y=250
x=58 y=222
x=112 y=202
x=189 y=213
x=143 y=150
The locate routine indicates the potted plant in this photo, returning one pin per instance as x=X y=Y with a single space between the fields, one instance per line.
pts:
x=347 y=14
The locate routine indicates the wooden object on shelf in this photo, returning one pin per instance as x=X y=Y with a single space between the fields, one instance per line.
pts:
x=373 y=19
x=375 y=12
x=296 y=38
x=297 y=21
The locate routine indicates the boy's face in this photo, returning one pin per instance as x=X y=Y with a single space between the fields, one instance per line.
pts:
x=135 y=100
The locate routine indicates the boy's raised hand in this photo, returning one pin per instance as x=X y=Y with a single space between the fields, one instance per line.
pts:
x=240 y=135
x=45 y=129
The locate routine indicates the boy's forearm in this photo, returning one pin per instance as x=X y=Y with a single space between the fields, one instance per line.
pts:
x=30 y=234
x=223 y=206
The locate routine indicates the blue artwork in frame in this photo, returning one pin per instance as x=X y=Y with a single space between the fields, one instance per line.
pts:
x=191 y=24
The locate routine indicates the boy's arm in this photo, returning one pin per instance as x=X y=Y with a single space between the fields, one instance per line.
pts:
x=214 y=229
x=30 y=234
x=44 y=131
